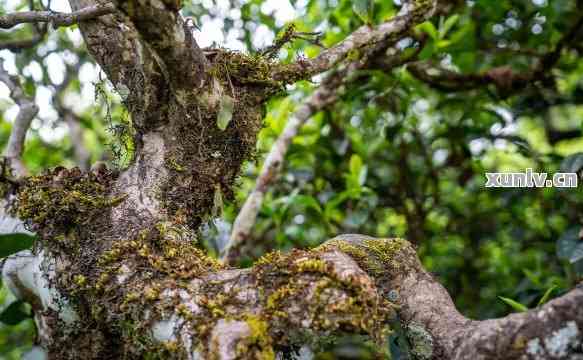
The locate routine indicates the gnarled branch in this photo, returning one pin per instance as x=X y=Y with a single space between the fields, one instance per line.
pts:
x=27 y=111
x=56 y=19
x=342 y=285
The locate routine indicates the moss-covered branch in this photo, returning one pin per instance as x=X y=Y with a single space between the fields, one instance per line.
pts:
x=157 y=293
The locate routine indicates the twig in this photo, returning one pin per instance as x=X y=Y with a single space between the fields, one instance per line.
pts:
x=26 y=113
x=55 y=18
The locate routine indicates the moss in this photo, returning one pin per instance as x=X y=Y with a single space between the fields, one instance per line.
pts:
x=204 y=158
x=353 y=55
x=61 y=200
x=276 y=297
x=7 y=184
x=259 y=344
x=80 y=280
x=374 y=256
x=241 y=68
x=306 y=280
x=311 y=265
x=215 y=306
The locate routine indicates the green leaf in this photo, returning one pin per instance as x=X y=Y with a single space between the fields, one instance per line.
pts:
x=13 y=243
x=355 y=165
x=447 y=25
x=514 y=304
x=225 y=115
x=364 y=9
x=358 y=171
x=308 y=202
x=546 y=296
x=568 y=242
x=428 y=28
x=15 y=313
x=428 y=50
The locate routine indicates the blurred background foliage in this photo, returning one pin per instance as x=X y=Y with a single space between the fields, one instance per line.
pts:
x=394 y=158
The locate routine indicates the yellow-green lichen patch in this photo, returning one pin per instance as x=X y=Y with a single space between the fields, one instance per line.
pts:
x=167 y=249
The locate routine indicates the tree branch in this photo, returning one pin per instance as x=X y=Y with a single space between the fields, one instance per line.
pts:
x=285 y=300
x=323 y=96
x=57 y=19
x=364 y=40
x=27 y=111
x=163 y=28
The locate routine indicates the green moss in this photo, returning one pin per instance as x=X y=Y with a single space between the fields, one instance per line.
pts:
x=62 y=200
x=353 y=55
x=234 y=66
x=311 y=265
x=374 y=256
x=288 y=279
x=258 y=345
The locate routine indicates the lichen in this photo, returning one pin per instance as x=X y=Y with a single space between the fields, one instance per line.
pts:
x=563 y=339
x=420 y=340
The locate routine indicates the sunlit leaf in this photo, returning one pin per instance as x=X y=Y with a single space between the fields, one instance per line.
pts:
x=225 y=115
x=447 y=25
x=428 y=28
x=546 y=296
x=514 y=304
x=364 y=9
